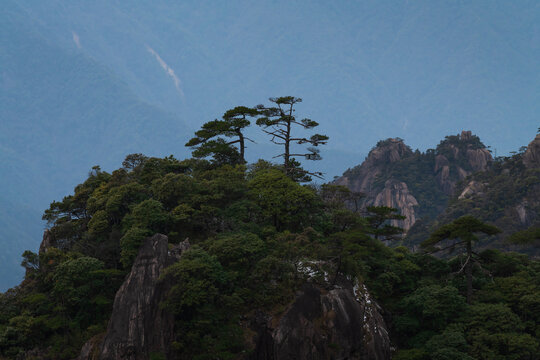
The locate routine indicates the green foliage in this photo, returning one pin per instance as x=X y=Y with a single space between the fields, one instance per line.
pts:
x=430 y=308
x=528 y=236
x=207 y=141
x=238 y=252
x=198 y=299
x=495 y=332
x=283 y=201
x=149 y=214
x=451 y=344
x=378 y=219
x=463 y=228
x=257 y=236
x=130 y=243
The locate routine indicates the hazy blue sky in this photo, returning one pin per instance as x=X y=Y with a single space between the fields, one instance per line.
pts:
x=366 y=69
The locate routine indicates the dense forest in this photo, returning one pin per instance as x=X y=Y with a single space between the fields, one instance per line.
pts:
x=257 y=234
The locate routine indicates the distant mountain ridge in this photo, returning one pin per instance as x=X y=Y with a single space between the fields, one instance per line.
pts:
x=418 y=184
x=507 y=195
x=458 y=177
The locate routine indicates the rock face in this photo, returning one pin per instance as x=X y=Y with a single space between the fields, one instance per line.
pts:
x=476 y=159
x=386 y=152
x=454 y=159
x=531 y=157
x=138 y=326
x=472 y=188
x=341 y=323
x=47 y=242
x=396 y=195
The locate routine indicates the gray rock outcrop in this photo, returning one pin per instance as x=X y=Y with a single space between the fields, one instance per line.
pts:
x=396 y=195
x=531 y=157
x=453 y=161
x=340 y=323
x=47 y=242
x=476 y=159
x=138 y=326
x=389 y=151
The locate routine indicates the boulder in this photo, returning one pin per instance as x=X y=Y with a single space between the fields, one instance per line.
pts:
x=343 y=322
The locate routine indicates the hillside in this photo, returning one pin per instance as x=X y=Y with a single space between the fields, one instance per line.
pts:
x=506 y=195
x=459 y=177
x=74 y=75
x=140 y=263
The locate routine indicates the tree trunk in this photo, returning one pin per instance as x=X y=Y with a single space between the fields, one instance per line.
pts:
x=287 y=148
x=468 y=272
x=242 y=145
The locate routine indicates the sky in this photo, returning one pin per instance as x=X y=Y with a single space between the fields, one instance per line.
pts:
x=366 y=70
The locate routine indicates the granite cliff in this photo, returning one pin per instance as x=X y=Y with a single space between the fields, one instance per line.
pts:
x=507 y=195
x=322 y=322
x=138 y=326
x=417 y=184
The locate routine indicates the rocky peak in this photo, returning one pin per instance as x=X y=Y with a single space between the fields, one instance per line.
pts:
x=394 y=164
x=138 y=325
x=466 y=135
x=467 y=155
x=361 y=178
x=531 y=157
x=389 y=150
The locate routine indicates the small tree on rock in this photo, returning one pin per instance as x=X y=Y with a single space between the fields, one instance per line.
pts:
x=378 y=220
x=278 y=122
x=463 y=229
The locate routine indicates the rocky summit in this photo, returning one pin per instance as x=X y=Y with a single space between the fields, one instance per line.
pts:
x=417 y=184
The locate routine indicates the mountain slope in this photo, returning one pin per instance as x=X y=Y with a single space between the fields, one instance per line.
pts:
x=507 y=195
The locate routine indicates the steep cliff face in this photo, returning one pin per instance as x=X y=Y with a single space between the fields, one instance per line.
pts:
x=531 y=157
x=417 y=184
x=331 y=322
x=47 y=242
x=362 y=177
x=138 y=326
x=340 y=323
x=396 y=194
x=458 y=159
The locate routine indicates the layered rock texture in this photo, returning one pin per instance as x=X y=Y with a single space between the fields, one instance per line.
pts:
x=507 y=195
x=417 y=184
x=323 y=322
x=340 y=323
x=531 y=157
x=138 y=326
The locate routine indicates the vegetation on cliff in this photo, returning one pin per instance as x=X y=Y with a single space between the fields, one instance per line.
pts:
x=257 y=236
x=506 y=195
